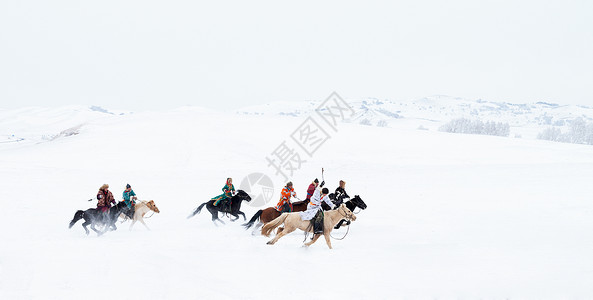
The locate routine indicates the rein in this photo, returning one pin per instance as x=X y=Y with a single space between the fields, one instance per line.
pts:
x=348 y=218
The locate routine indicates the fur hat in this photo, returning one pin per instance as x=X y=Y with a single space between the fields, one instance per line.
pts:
x=289 y=183
x=104 y=187
x=128 y=186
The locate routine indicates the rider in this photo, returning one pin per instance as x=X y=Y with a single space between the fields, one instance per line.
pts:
x=311 y=188
x=314 y=211
x=285 y=205
x=341 y=193
x=105 y=199
x=130 y=200
x=228 y=192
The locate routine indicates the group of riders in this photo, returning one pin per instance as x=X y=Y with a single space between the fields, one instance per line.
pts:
x=316 y=195
x=105 y=199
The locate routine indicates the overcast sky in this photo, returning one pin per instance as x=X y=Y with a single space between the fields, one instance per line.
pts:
x=146 y=54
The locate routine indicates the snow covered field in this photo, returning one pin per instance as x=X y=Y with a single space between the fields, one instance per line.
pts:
x=449 y=216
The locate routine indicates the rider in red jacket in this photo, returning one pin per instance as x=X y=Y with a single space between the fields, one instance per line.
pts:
x=311 y=188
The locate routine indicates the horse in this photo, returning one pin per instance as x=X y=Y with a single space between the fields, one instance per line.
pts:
x=266 y=214
x=270 y=213
x=292 y=221
x=140 y=211
x=94 y=217
x=352 y=204
x=235 y=207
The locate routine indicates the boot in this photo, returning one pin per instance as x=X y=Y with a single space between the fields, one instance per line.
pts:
x=318 y=223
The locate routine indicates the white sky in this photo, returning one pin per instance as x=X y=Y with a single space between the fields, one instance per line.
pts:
x=145 y=54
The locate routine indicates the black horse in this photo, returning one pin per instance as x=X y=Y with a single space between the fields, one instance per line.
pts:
x=94 y=217
x=351 y=204
x=234 y=210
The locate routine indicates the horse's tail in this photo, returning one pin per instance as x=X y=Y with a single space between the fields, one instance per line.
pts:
x=77 y=216
x=255 y=218
x=270 y=226
x=197 y=211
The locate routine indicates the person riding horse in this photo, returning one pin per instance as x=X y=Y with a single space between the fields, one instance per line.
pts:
x=340 y=194
x=314 y=211
x=130 y=200
x=311 y=189
x=104 y=199
x=224 y=198
x=285 y=205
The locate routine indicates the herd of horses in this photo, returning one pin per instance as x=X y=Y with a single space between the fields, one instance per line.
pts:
x=267 y=219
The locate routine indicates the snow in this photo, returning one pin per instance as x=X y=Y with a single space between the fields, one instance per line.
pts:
x=525 y=120
x=449 y=216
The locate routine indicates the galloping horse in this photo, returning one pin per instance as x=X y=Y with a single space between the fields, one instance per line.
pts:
x=352 y=204
x=235 y=207
x=270 y=213
x=140 y=210
x=94 y=217
x=292 y=221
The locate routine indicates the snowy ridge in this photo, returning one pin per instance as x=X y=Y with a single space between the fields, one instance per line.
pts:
x=431 y=112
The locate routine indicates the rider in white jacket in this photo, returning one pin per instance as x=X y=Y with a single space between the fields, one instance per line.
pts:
x=314 y=206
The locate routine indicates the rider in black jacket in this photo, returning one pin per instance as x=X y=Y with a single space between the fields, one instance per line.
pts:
x=340 y=193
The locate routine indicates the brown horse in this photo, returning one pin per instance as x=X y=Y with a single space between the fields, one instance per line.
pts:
x=293 y=221
x=270 y=213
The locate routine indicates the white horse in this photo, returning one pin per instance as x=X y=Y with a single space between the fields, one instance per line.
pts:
x=140 y=211
x=292 y=221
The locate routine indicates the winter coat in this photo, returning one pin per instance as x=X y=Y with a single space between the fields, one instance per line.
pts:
x=128 y=198
x=105 y=199
x=227 y=193
x=286 y=193
x=310 y=191
x=341 y=194
x=315 y=205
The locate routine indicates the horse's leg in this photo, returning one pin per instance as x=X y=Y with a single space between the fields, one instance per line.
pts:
x=327 y=239
x=340 y=224
x=241 y=213
x=281 y=234
x=142 y=221
x=84 y=225
x=236 y=218
x=315 y=237
x=215 y=218
x=133 y=222
x=95 y=229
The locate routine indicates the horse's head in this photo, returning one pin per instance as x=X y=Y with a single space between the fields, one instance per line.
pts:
x=358 y=202
x=243 y=195
x=346 y=213
x=152 y=206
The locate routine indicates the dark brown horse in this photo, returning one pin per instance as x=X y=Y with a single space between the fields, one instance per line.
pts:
x=270 y=213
